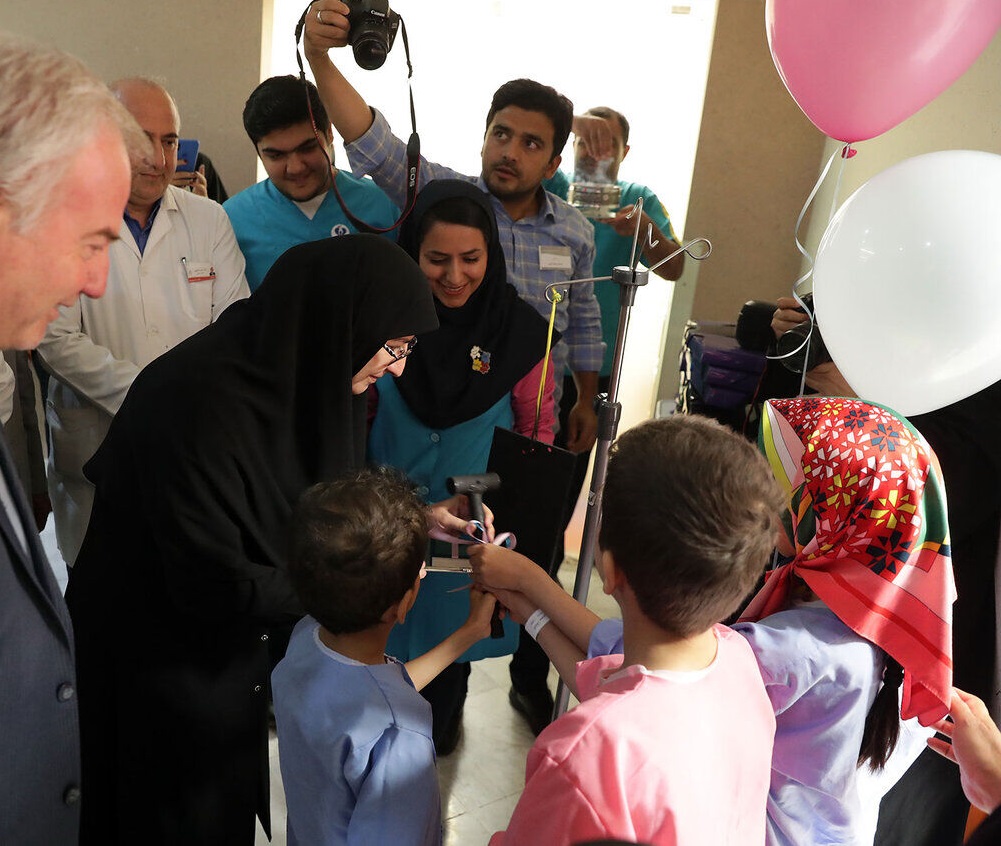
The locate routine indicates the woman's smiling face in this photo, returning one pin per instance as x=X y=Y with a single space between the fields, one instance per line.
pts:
x=454 y=259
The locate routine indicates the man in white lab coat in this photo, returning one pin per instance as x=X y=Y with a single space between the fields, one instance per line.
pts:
x=174 y=269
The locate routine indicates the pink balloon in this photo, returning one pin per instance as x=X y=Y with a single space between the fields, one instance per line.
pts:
x=859 y=67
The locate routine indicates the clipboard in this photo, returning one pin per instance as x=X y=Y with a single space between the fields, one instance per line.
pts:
x=535 y=484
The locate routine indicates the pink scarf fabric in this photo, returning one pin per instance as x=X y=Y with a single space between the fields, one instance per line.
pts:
x=868 y=519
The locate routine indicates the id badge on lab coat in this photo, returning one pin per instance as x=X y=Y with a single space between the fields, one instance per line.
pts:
x=198 y=271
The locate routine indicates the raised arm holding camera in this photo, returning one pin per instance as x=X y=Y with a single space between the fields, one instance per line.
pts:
x=791 y=325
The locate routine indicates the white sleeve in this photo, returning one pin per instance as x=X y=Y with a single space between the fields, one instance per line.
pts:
x=230 y=282
x=91 y=370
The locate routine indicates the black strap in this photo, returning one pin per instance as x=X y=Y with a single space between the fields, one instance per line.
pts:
x=413 y=144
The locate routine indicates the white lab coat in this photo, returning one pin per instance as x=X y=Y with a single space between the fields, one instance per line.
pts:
x=95 y=348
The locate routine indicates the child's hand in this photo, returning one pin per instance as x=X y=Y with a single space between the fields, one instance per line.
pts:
x=496 y=568
x=516 y=605
x=975 y=744
x=481 y=609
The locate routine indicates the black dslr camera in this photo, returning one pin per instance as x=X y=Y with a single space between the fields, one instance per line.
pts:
x=372 y=31
x=791 y=348
x=754 y=332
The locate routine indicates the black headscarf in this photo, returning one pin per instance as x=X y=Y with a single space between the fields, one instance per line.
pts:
x=439 y=384
x=225 y=431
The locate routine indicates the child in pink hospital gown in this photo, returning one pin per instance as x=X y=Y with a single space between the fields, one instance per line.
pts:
x=869 y=579
x=672 y=741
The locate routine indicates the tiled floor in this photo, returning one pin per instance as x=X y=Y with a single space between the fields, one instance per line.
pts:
x=482 y=780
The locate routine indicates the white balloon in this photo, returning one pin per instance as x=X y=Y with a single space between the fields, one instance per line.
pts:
x=907 y=282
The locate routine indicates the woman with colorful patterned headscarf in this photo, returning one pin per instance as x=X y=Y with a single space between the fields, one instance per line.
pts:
x=863 y=605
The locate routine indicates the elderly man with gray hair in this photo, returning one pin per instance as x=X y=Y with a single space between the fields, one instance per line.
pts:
x=60 y=207
x=175 y=267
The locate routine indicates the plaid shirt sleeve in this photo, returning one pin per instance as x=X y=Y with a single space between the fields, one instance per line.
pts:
x=583 y=332
x=380 y=154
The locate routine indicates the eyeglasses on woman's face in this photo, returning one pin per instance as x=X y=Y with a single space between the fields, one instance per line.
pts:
x=401 y=351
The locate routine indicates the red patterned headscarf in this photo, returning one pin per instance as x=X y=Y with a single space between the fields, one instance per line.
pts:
x=868 y=519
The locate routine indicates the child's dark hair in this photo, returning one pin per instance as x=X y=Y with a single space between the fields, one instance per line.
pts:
x=356 y=547
x=461 y=211
x=882 y=723
x=280 y=102
x=533 y=96
x=689 y=515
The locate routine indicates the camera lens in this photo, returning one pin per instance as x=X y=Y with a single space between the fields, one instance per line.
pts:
x=794 y=353
x=370 y=51
x=791 y=348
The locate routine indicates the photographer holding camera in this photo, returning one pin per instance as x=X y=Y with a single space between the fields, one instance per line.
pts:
x=544 y=239
x=790 y=324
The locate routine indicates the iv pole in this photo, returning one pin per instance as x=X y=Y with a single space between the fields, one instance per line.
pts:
x=608 y=407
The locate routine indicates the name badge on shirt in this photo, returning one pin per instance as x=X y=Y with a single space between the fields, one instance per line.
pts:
x=555 y=258
x=199 y=271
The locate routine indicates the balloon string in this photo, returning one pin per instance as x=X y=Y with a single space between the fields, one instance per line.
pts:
x=845 y=153
x=806 y=355
x=799 y=225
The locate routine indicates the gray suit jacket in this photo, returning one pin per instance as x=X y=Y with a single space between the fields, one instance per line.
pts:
x=39 y=730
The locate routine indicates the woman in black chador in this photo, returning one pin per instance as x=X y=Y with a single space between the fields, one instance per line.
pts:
x=182 y=570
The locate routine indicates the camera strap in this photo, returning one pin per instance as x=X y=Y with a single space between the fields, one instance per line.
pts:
x=413 y=144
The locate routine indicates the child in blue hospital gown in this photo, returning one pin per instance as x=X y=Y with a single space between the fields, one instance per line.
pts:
x=354 y=735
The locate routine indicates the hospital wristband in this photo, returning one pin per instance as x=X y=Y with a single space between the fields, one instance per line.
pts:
x=534 y=624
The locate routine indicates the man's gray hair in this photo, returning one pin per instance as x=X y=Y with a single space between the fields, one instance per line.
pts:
x=49 y=103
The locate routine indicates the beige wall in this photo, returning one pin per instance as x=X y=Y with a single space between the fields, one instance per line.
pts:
x=208 y=55
x=756 y=162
